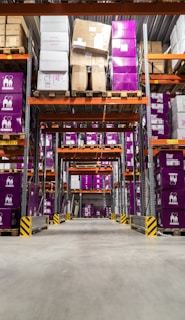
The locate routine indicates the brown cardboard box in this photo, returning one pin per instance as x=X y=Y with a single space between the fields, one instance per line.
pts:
x=2 y=19
x=15 y=41
x=2 y=41
x=92 y=36
x=2 y=29
x=142 y=48
x=156 y=46
x=158 y=66
x=87 y=59
x=19 y=20
x=14 y=29
x=79 y=78
x=149 y=67
x=98 y=79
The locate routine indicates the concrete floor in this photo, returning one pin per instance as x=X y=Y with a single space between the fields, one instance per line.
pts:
x=92 y=270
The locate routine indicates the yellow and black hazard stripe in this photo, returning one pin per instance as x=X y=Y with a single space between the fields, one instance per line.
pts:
x=113 y=216
x=56 y=218
x=68 y=216
x=150 y=226
x=26 y=226
x=123 y=218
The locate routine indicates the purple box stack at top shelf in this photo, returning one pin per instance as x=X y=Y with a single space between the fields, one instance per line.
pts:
x=170 y=189
x=11 y=102
x=124 y=52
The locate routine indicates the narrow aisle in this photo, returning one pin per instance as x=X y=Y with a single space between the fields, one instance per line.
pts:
x=92 y=269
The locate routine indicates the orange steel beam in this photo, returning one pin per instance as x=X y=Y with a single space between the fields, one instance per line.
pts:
x=166 y=142
x=164 y=79
x=25 y=56
x=90 y=150
x=87 y=117
x=162 y=56
x=10 y=153
x=81 y=171
x=89 y=9
x=60 y=130
x=87 y=101
x=91 y=191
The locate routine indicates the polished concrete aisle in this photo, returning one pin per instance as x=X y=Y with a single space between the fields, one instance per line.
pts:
x=92 y=270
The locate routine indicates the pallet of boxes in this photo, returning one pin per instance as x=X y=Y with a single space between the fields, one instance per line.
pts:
x=89 y=56
x=155 y=66
x=13 y=34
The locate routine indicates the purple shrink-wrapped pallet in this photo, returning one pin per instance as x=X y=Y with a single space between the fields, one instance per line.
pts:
x=128 y=136
x=48 y=140
x=11 y=82
x=159 y=98
x=107 y=181
x=11 y=102
x=125 y=81
x=160 y=108
x=9 y=218
x=33 y=200
x=166 y=198
x=70 y=138
x=10 y=123
x=171 y=218
x=91 y=138
x=87 y=182
x=124 y=65
x=124 y=48
x=11 y=181
x=111 y=138
x=169 y=178
x=87 y=210
x=169 y=159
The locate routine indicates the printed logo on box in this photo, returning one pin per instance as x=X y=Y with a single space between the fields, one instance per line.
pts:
x=1 y=218
x=7 y=103
x=173 y=198
x=6 y=123
x=173 y=178
x=174 y=220
x=9 y=182
x=9 y=200
x=8 y=82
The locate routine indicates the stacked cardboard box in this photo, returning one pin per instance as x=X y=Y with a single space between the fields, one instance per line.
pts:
x=2 y=31
x=170 y=189
x=53 y=71
x=177 y=39
x=89 y=52
x=124 y=63
x=178 y=117
x=11 y=102
x=155 y=66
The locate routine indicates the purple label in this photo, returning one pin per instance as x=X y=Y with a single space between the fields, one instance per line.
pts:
x=11 y=82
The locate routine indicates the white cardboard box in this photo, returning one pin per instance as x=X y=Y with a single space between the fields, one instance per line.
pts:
x=52 y=81
x=54 y=24
x=178 y=134
x=178 y=121
x=55 y=41
x=178 y=104
x=53 y=61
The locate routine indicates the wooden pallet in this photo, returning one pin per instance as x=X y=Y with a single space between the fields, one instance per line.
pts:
x=51 y=94
x=124 y=94
x=112 y=146
x=11 y=170
x=90 y=146
x=12 y=136
x=172 y=232
x=9 y=232
x=89 y=93
x=69 y=146
x=13 y=50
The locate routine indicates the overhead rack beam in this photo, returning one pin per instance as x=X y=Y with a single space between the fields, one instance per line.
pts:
x=89 y=9
x=87 y=101
x=60 y=130
x=89 y=117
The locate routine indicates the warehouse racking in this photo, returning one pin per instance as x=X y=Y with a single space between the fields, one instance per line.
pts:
x=131 y=104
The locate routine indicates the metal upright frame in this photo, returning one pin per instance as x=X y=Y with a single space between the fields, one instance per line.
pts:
x=27 y=127
x=57 y=185
x=149 y=128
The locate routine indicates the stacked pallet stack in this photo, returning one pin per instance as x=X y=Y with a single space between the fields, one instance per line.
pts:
x=89 y=53
x=70 y=138
x=131 y=143
x=87 y=182
x=2 y=31
x=111 y=138
x=160 y=116
x=170 y=189
x=178 y=117
x=134 y=193
x=124 y=62
x=10 y=200
x=11 y=102
x=154 y=66
x=53 y=71
x=177 y=40
x=46 y=149
x=33 y=200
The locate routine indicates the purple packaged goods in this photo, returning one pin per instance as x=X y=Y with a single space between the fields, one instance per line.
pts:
x=124 y=64
x=125 y=81
x=107 y=212
x=129 y=161
x=9 y=218
x=70 y=138
x=11 y=123
x=124 y=48
x=159 y=97
x=169 y=198
x=10 y=199
x=171 y=218
x=128 y=136
x=160 y=108
x=10 y=181
x=48 y=139
x=169 y=179
x=11 y=102
x=169 y=159
x=91 y=138
x=123 y=29
x=111 y=138
x=11 y=82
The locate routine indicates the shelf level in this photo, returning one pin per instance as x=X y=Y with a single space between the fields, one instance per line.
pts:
x=166 y=143
x=93 y=171
x=91 y=191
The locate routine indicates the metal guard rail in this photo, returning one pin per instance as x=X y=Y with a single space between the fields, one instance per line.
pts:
x=30 y=225
x=145 y=224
